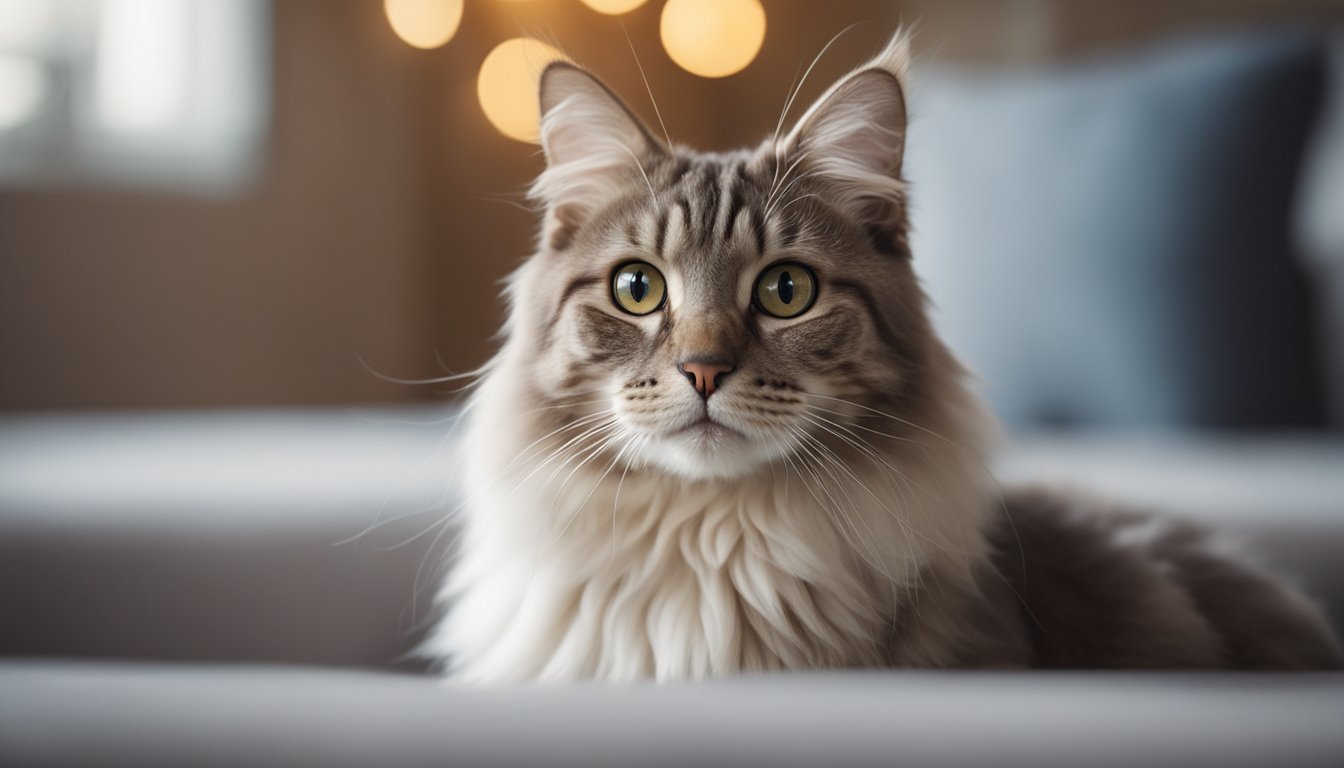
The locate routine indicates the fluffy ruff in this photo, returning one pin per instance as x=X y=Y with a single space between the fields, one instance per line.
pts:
x=622 y=572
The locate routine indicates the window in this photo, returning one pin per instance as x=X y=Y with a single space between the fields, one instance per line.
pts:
x=137 y=92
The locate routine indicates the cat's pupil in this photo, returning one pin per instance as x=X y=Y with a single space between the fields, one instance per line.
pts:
x=785 y=288
x=639 y=286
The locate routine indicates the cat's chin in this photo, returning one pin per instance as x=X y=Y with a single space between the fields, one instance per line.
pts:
x=706 y=452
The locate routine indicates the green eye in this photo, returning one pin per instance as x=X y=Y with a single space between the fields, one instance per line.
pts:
x=638 y=287
x=785 y=290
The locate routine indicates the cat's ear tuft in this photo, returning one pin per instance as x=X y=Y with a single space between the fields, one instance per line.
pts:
x=595 y=146
x=853 y=137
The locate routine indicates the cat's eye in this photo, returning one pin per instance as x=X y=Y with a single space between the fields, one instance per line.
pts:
x=785 y=290
x=638 y=287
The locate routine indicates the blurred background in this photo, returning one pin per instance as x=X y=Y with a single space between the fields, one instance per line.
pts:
x=228 y=202
x=219 y=219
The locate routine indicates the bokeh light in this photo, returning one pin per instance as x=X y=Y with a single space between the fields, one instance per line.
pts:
x=424 y=23
x=713 y=38
x=507 y=86
x=613 y=7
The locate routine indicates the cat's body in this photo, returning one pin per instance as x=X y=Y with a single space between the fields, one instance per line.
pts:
x=721 y=436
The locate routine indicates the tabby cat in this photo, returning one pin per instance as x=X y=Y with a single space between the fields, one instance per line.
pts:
x=721 y=437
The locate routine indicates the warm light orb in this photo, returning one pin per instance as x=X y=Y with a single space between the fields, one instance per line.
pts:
x=613 y=7
x=507 y=86
x=424 y=23
x=713 y=38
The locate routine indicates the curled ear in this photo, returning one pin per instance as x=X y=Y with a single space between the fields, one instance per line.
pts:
x=853 y=138
x=595 y=146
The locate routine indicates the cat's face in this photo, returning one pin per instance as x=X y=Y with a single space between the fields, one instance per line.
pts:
x=727 y=311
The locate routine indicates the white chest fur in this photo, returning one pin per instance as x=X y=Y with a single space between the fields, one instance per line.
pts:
x=636 y=575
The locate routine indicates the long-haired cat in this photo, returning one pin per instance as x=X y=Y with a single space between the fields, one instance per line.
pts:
x=721 y=436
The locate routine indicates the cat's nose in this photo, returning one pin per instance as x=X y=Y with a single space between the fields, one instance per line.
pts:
x=704 y=375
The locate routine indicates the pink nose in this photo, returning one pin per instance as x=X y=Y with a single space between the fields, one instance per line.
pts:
x=704 y=375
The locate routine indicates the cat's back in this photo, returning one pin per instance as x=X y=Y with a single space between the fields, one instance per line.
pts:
x=1100 y=587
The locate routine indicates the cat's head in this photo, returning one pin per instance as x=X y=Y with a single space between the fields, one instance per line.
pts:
x=729 y=309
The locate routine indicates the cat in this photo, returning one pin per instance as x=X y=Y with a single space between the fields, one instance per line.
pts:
x=721 y=436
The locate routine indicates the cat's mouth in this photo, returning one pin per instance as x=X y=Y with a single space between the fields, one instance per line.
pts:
x=703 y=447
x=706 y=427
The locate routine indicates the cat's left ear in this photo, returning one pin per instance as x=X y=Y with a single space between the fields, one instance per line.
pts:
x=854 y=138
x=596 y=148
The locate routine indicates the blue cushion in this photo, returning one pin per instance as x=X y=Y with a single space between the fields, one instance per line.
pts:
x=1108 y=243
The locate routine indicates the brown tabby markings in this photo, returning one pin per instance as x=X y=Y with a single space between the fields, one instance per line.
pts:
x=827 y=504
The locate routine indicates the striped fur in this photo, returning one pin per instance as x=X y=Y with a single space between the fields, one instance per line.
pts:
x=825 y=506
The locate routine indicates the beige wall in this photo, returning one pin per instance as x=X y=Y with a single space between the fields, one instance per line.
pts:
x=382 y=222
x=115 y=297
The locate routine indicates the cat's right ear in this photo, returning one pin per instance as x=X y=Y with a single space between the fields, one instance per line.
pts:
x=596 y=148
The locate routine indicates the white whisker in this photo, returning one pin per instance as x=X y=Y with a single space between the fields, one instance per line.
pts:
x=653 y=196
x=788 y=104
x=657 y=112
x=475 y=374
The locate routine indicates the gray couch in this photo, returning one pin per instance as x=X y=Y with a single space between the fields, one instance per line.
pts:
x=214 y=588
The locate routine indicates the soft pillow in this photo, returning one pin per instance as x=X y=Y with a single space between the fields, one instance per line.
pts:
x=1109 y=243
